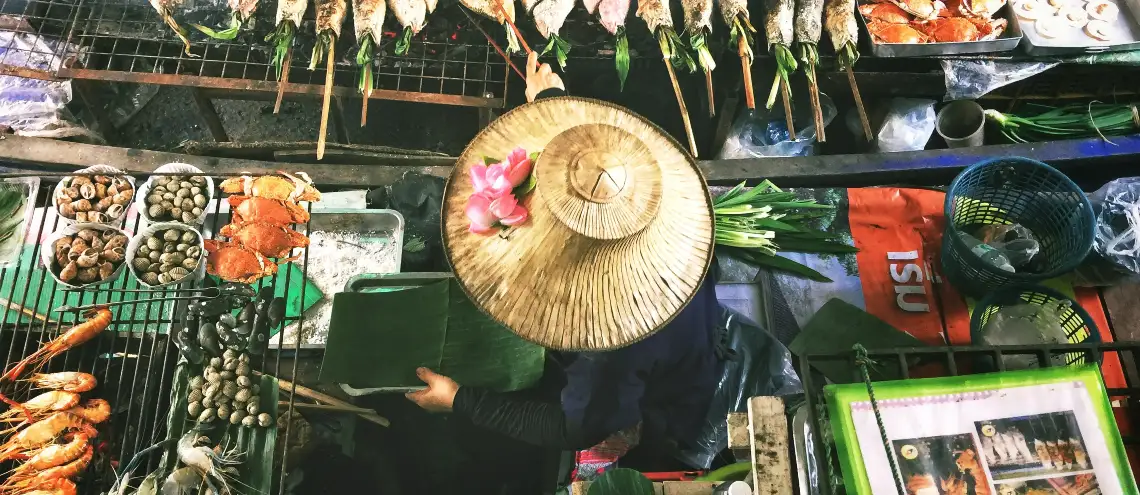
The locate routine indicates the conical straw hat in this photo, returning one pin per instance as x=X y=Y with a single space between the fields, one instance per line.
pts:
x=619 y=234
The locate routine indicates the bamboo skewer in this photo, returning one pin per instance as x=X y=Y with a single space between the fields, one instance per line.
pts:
x=518 y=34
x=749 y=96
x=817 y=110
x=709 y=88
x=786 y=96
x=327 y=100
x=284 y=80
x=367 y=96
x=859 y=104
x=493 y=44
x=367 y=414
x=684 y=109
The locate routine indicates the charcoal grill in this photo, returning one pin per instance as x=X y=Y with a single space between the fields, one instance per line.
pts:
x=133 y=360
x=955 y=361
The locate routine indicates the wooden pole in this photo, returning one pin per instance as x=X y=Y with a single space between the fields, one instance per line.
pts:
x=684 y=109
x=817 y=111
x=367 y=96
x=328 y=99
x=746 y=67
x=787 y=97
x=709 y=87
x=859 y=104
x=284 y=80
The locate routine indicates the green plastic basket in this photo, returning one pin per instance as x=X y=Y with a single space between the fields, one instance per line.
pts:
x=1014 y=190
x=1078 y=325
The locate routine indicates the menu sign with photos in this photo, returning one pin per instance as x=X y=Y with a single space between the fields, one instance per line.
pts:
x=1033 y=432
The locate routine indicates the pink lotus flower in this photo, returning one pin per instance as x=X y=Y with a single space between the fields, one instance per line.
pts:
x=498 y=179
x=486 y=213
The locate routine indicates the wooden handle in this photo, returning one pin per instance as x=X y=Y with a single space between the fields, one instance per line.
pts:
x=684 y=109
x=709 y=88
x=787 y=97
x=859 y=104
x=327 y=100
x=746 y=69
x=369 y=415
x=817 y=110
x=284 y=80
x=367 y=96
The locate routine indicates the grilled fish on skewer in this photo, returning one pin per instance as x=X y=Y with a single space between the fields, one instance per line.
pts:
x=489 y=8
x=808 y=19
x=549 y=15
x=740 y=33
x=612 y=14
x=289 y=13
x=839 y=21
x=698 y=25
x=240 y=13
x=166 y=9
x=779 y=29
x=330 y=17
x=368 y=21
x=657 y=16
x=412 y=14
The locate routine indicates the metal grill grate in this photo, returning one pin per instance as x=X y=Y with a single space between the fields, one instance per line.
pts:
x=32 y=34
x=133 y=359
x=126 y=40
x=1126 y=401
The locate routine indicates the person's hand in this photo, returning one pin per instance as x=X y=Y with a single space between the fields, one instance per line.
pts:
x=439 y=394
x=540 y=77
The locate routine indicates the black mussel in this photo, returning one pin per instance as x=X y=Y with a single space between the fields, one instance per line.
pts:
x=246 y=314
x=228 y=338
x=208 y=338
x=243 y=329
x=227 y=320
x=265 y=294
x=276 y=312
x=188 y=347
x=257 y=344
x=214 y=307
x=236 y=289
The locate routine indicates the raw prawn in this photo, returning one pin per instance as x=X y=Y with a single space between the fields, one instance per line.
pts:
x=57 y=487
x=287 y=188
x=43 y=432
x=67 y=381
x=55 y=400
x=93 y=411
x=97 y=320
x=207 y=462
x=182 y=481
x=20 y=483
x=250 y=209
x=270 y=240
x=56 y=454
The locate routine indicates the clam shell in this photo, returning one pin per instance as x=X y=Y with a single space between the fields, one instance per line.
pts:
x=182 y=247
x=141 y=264
x=189 y=237
x=249 y=421
x=168 y=248
x=153 y=267
x=156 y=210
x=172 y=258
x=188 y=216
x=150 y=278
x=236 y=417
x=193 y=252
x=171 y=235
x=190 y=263
x=154 y=199
x=153 y=256
x=154 y=243
x=164 y=278
x=176 y=213
x=200 y=200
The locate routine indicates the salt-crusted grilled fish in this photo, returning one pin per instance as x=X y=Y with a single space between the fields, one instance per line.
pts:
x=698 y=25
x=612 y=14
x=839 y=20
x=779 y=29
x=240 y=13
x=809 y=19
x=412 y=14
x=368 y=23
x=549 y=15
x=655 y=13
x=489 y=8
x=658 y=17
x=289 y=13
x=166 y=10
x=735 y=14
x=330 y=18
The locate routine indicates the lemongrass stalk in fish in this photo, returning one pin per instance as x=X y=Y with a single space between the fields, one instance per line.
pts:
x=808 y=27
x=735 y=14
x=698 y=25
x=612 y=14
x=289 y=13
x=241 y=11
x=412 y=14
x=779 y=29
x=839 y=21
x=490 y=8
x=166 y=9
x=330 y=18
x=368 y=23
x=658 y=17
x=549 y=15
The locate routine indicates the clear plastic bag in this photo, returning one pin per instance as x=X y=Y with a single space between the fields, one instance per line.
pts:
x=908 y=125
x=34 y=107
x=1016 y=242
x=970 y=79
x=760 y=133
x=1115 y=257
x=1027 y=324
x=761 y=366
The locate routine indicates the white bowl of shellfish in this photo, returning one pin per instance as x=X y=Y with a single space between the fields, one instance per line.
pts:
x=97 y=194
x=85 y=254
x=172 y=252
x=182 y=198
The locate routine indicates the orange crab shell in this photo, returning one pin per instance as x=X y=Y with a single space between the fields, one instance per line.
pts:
x=233 y=263
x=270 y=240
x=287 y=188
x=884 y=12
x=895 y=33
x=922 y=9
x=955 y=29
x=272 y=211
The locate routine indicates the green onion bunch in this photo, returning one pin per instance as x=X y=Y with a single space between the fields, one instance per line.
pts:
x=1068 y=122
x=754 y=225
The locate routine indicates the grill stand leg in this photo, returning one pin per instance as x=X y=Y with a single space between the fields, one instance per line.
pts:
x=486 y=114
x=86 y=91
x=210 y=116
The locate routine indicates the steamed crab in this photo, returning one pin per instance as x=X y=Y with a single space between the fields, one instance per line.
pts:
x=895 y=33
x=885 y=12
x=955 y=29
x=272 y=211
x=270 y=240
x=922 y=9
x=282 y=188
x=235 y=263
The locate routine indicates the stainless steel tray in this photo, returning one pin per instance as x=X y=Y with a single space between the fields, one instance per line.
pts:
x=1006 y=42
x=1125 y=29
